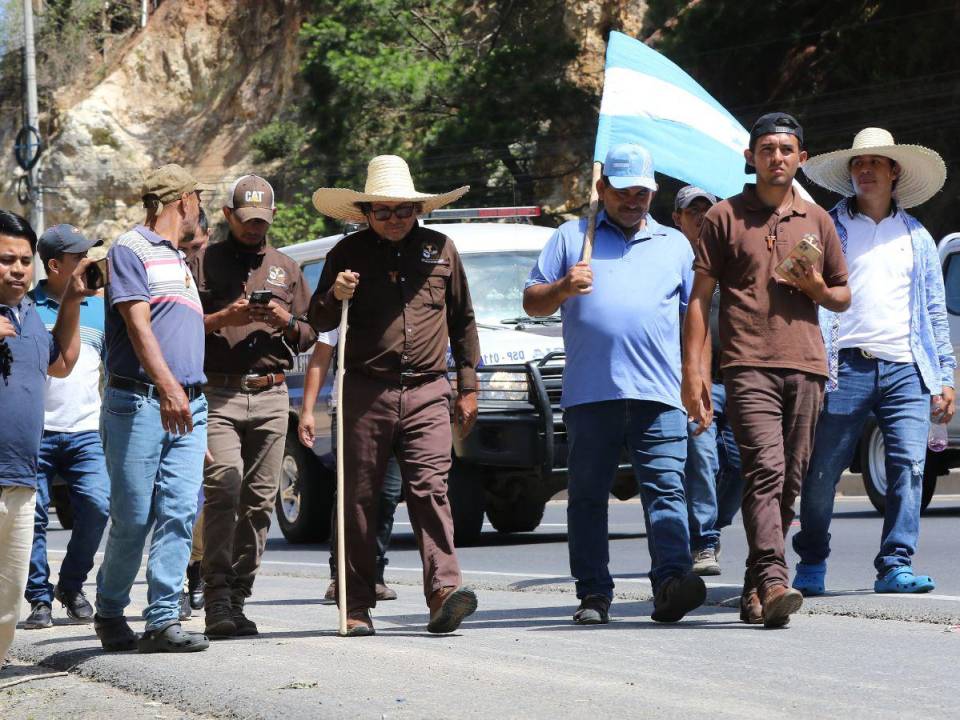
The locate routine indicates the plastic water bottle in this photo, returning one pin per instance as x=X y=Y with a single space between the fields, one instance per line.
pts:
x=937 y=437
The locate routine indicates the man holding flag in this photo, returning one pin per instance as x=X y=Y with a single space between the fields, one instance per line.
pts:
x=621 y=382
x=772 y=354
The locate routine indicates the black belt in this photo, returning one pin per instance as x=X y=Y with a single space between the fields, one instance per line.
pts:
x=860 y=351
x=403 y=379
x=144 y=388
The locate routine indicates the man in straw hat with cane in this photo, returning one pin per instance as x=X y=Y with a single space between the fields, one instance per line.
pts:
x=621 y=382
x=887 y=355
x=408 y=296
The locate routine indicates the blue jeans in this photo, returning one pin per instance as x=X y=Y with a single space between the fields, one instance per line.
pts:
x=78 y=459
x=896 y=395
x=154 y=477
x=712 y=482
x=656 y=436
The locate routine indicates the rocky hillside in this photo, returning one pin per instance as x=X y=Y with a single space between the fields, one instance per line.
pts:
x=192 y=87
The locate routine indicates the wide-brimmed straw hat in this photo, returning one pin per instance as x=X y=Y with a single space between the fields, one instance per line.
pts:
x=922 y=171
x=388 y=180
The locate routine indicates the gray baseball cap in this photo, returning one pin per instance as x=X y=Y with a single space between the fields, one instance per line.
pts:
x=61 y=239
x=689 y=193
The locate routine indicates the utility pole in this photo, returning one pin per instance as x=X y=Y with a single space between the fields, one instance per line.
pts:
x=33 y=113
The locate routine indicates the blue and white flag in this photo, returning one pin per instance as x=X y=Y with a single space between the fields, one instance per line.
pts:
x=649 y=100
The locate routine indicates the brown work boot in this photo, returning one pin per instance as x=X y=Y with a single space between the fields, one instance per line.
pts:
x=750 y=610
x=779 y=602
x=385 y=593
x=331 y=593
x=359 y=623
x=449 y=606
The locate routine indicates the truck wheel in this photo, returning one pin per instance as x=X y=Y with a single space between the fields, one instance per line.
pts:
x=873 y=468
x=60 y=499
x=520 y=515
x=305 y=497
x=466 y=496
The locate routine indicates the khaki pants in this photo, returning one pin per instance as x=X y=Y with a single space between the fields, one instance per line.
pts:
x=245 y=435
x=413 y=424
x=16 y=538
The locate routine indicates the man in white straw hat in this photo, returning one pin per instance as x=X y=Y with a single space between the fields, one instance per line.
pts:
x=408 y=299
x=887 y=354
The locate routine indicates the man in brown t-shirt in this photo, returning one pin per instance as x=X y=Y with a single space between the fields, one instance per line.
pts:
x=772 y=355
x=254 y=301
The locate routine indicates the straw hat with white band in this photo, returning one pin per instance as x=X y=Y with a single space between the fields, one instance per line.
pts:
x=922 y=171
x=388 y=180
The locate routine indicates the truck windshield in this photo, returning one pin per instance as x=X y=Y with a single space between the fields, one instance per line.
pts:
x=496 y=283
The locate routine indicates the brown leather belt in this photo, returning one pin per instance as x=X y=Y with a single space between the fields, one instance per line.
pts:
x=245 y=383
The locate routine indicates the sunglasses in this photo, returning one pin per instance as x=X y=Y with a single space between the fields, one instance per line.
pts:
x=401 y=211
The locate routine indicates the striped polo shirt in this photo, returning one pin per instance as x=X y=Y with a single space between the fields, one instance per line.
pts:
x=142 y=266
x=72 y=403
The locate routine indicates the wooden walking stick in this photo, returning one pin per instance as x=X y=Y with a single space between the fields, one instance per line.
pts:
x=341 y=535
x=592 y=216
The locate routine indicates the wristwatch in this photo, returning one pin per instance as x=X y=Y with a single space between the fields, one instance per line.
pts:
x=292 y=322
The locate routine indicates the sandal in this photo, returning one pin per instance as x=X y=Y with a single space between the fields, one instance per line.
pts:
x=902 y=580
x=171 y=638
x=811 y=578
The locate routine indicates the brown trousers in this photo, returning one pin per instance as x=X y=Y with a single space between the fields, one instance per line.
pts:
x=246 y=433
x=382 y=419
x=773 y=413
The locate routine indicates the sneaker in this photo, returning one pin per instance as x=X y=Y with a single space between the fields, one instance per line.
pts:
x=449 y=606
x=219 y=618
x=359 y=623
x=186 y=612
x=115 y=634
x=677 y=596
x=78 y=608
x=244 y=625
x=40 y=616
x=779 y=603
x=195 y=586
x=331 y=593
x=705 y=561
x=593 y=610
x=383 y=592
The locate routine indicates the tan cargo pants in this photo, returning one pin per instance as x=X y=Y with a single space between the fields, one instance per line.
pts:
x=246 y=433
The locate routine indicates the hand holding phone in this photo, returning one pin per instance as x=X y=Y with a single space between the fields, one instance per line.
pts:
x=260 y=297
x=95 y=276
x=804 y=254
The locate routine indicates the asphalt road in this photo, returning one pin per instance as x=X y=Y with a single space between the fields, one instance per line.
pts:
x=853 y=654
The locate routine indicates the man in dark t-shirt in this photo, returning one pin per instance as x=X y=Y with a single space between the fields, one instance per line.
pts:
x=771 y=351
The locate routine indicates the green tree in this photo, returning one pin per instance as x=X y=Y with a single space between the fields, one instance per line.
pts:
x=839 y=67
x=467 y=92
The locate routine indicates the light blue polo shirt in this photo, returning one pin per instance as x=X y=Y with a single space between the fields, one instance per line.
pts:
x=623 y=339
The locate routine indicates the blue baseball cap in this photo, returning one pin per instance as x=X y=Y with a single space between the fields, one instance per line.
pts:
x=629 y=165
x=61 y=239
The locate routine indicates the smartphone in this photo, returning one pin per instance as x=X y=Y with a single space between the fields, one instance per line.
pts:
x=804 y=253
x=260 y=297
x=95 y=276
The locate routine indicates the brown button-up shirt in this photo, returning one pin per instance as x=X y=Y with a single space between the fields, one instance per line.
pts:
x=226 y=272
x=765 y=323
x=412 y=296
